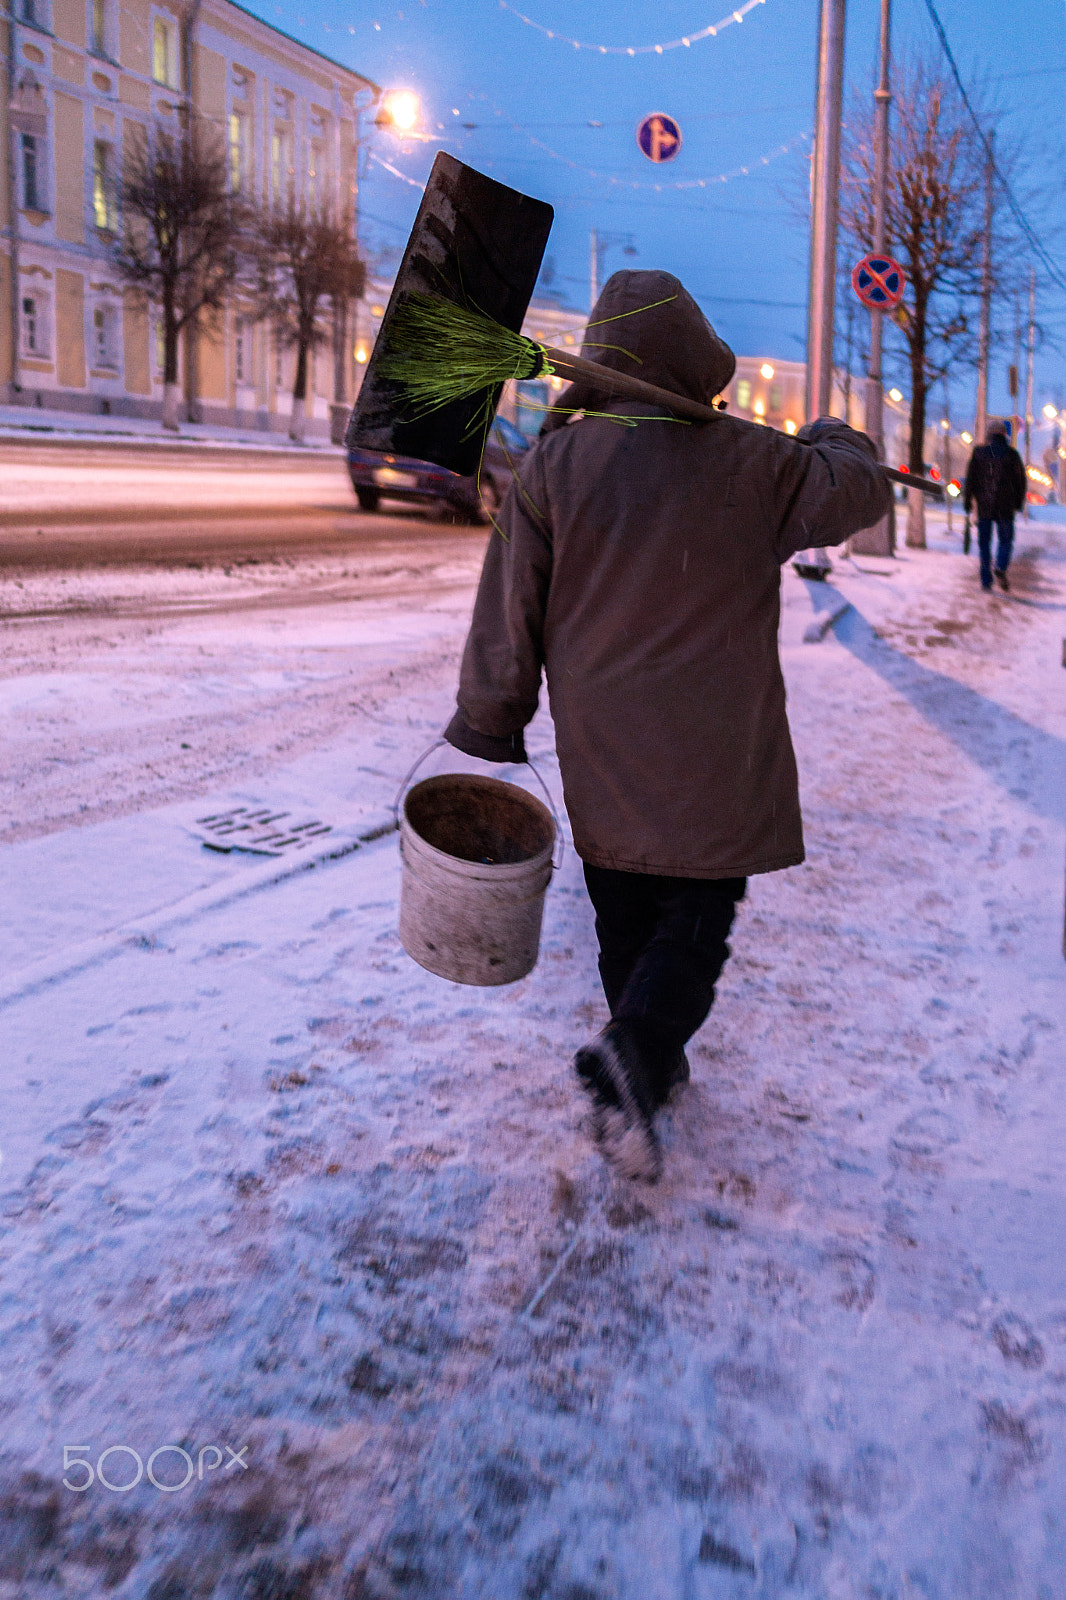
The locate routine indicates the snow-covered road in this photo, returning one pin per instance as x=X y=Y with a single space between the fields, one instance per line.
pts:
x=269 y=1189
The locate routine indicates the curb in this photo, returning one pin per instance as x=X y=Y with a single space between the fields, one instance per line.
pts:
x=143 y=933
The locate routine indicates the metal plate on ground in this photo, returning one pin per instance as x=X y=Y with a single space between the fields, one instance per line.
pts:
x=259 y=830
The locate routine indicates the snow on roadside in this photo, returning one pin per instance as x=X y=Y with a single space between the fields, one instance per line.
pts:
x=269 y=1184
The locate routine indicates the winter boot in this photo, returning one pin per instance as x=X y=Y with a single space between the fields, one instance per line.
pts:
x=1000 y=574
x=616 y=1078
x=675 y=1075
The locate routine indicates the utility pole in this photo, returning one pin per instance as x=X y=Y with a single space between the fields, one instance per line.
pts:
x=1030 y=342
x=1012 y=375
x=11 y=176
x=880 y=540
x=825 y=198
x=945 y=469
x=980 y=425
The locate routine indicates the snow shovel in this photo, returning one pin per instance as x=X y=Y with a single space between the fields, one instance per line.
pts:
x=475 y=244
x=451 y=336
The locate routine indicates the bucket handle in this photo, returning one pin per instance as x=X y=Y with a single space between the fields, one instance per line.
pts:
x=439 y=744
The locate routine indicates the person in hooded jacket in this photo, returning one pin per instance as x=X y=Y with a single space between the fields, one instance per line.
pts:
x=638 y=567
x=995 y=479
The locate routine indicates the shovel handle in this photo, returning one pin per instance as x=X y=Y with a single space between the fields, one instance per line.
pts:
x=608 y=381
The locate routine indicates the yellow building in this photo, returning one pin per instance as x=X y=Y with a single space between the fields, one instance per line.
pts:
x=83 y=76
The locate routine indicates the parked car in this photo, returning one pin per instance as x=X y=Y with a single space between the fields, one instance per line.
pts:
x=376 y=476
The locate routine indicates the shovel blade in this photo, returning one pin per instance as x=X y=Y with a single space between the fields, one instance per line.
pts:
x=474 y=242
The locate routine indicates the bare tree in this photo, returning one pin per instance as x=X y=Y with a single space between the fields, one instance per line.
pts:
x=305 y=258
x=181 y=237
x=933 y=222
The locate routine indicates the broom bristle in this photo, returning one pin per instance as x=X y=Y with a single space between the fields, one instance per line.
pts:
x=439 y=352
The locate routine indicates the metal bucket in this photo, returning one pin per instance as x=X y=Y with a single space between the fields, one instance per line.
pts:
x=477 y=860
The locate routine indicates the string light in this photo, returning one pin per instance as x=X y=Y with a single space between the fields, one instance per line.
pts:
x=638 y=49
x=685 y=183
x=626 y=183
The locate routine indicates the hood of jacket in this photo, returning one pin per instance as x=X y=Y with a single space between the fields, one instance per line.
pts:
x=647 y=324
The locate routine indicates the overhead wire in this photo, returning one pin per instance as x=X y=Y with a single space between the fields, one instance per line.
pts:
x=1056 y=275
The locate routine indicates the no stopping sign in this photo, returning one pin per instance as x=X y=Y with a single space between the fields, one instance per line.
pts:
x=879 y=282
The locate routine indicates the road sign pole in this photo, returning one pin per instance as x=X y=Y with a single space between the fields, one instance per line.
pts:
x=875 y=426
x=1029 y=377
x=880 y=540
x=824 y=208
x=980 y=423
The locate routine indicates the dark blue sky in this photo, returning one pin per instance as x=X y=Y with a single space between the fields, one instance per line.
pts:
x=738 y=98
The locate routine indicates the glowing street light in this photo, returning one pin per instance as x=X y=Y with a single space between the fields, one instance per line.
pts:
x=767 y=371
x=967 y=438
x=945 y=424
x=1050 y=412
x=400 y=110
x=894 y=394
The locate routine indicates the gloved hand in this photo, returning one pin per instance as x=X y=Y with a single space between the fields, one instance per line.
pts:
x=486 y=746
x=832 y=427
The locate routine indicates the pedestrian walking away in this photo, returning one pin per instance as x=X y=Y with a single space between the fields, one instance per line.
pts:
x=996 y=484
x=637 y=564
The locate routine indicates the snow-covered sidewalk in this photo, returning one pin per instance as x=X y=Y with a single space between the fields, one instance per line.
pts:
x=277 y=1198
x=27 y=424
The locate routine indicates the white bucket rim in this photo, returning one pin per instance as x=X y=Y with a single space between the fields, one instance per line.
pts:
x=491 y=872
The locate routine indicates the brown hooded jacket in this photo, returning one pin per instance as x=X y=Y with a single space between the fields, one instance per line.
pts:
x=640 y=568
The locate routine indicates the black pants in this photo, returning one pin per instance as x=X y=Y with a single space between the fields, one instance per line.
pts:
x=662 y=947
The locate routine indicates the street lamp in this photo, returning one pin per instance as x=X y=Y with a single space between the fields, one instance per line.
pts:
x=599 y=244
x=1050 y=412
x=767 y=371
x=896 y=395
x=400 y=110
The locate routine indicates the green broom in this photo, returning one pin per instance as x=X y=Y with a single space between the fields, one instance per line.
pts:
x=439 y=352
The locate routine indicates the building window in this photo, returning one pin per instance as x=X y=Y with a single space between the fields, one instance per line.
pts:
x=105 y=324
x=279 y=364
x=238 y=151
x=242 y=353
x=98 y=27
x=282 y=171
x=32 y=172
x=104 y=210
x=777 y=397
x=743 y=394
x=315 y=176
x=164 y=52
x=34 y=326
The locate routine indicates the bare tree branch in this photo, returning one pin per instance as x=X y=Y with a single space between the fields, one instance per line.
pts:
x=304 y=258
x=182 y=233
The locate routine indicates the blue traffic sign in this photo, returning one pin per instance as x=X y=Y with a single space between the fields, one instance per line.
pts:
x=659 y=136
